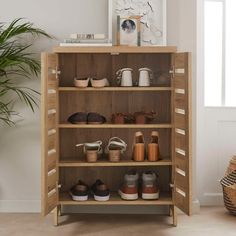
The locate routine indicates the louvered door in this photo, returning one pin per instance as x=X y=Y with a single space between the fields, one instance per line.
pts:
x=182 y=131
x=49 y=129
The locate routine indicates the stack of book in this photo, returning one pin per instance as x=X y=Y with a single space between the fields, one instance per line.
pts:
x=86 y=40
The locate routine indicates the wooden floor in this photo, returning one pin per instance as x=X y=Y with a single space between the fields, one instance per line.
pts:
x=213 y=221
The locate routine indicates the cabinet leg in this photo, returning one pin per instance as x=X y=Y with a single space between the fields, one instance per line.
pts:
x=55 y=216
x=170 y=210
x=174 y=215
x=59 y=211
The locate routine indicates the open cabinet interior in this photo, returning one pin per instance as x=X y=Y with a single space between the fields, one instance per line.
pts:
x=104 y=65
x=168 y=97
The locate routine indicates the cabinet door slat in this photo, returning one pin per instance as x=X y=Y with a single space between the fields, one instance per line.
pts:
x=181 y=118
x=49 y=132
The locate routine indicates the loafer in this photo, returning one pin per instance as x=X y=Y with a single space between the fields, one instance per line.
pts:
x=95 y=118
x=78 y=118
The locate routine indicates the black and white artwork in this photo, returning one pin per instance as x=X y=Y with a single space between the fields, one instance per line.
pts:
x=153 y=18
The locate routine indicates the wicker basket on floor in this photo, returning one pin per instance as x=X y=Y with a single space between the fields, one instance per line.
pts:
x=229 y=191
x=232 y=165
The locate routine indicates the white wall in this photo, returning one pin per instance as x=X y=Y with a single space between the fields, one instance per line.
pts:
x=20 y=146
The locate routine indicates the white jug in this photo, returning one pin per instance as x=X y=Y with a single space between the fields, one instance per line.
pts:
x=145 y=77
x=124 y=77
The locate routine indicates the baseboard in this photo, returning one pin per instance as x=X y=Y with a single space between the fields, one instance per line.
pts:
x=20 y=206
x=212 y=199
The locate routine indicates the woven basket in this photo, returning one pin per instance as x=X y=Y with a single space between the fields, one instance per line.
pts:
x=229 y=191
x=232 y=165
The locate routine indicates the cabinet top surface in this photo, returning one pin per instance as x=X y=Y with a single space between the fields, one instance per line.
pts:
x=115 y=49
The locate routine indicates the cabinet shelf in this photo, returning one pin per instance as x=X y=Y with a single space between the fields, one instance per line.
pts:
x=115 y=49
x=114 y=126
x=76 y=163
x=115 y=89
x=165 y=199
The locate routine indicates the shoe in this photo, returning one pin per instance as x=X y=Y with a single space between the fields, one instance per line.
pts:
x=144 y=117
x=81 y=82
x=150 y=189
x=122 y=118
x=99 y=83
x=78 y=118
x=138 y=147
x=91 y=150
x=84 y=118
x=100 y=191
x=79 y=192
x=153 y=147
x=129 y=189
x=115 y=148
x=95 y=118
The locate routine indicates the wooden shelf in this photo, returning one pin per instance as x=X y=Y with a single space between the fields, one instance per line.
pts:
x=114 y=126
x=115 y=49
x=115 y=89
x=165 y=199
x=76 y=163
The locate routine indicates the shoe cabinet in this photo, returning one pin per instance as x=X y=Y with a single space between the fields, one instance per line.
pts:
x=169 y=95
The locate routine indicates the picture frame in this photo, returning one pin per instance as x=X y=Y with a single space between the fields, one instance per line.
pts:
x=128 y=30
x=152 y=22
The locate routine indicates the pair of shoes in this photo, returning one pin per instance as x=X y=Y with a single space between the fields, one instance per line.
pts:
x=81 y=191
x=96 y=83
x=115 y=148
x=139 y=147
x=86 y=118
x=149 y=187
x=140 y=117
x=124 y=77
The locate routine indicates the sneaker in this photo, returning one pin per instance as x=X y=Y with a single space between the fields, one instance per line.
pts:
x=80 y=191
x=150 y=189
x=100 y=191
x=129 y=189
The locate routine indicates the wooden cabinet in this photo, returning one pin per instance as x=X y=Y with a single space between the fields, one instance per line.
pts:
x=63 y=164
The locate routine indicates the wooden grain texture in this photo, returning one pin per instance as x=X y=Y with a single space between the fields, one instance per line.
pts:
x=105 y=65
x=182 y=134
x=106 y=103
x=114 y=89
x=165 y=199
x=49 y=100
x=114 y=126
x=103 y=163
x=116 y=49
x=70 y=137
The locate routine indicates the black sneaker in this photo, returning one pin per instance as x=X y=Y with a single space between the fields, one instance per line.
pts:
x=80 y=191
x=100 y=191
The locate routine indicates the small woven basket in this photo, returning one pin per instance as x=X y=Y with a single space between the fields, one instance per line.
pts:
x=229 y=191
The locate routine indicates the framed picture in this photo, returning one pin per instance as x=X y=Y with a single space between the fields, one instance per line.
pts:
x=152 y=19
x=128 y=30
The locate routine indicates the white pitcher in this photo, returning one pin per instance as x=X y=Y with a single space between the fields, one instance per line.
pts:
x=145 y=77
x=124 y=77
